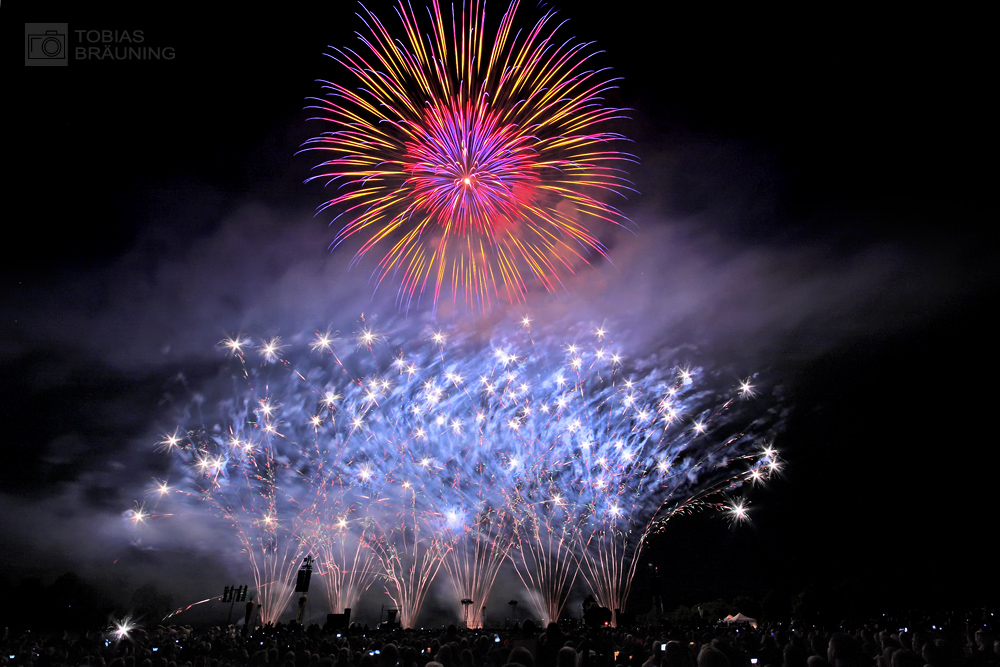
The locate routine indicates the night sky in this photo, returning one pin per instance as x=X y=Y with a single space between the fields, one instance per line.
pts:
x=811 y=205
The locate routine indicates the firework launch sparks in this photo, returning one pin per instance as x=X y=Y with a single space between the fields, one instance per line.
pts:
x=396 y=463
x=474 y=162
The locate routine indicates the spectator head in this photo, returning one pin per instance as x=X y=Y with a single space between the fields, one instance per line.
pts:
x=904 y=657
x=521 y=656
x=931 y=654
x=389 y=656
x=676 y=655
x=794 y=655
x=844 y=651
x=444 y=655
x=710 y=656
x=819 y=644
x=566 y=657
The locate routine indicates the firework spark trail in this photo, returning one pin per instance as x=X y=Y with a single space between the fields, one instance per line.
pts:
x=621 y=477
x=411 y=555
x=337 y=527
x=246 y=478
x=348 y=565
x=474 y=169
x=400 y=526
x=454 y=454
x=478 y=529
x=545 y=560
x=256 y=468
x=478 y=551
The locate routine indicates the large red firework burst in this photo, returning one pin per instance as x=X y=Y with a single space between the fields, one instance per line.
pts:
x=475 y=162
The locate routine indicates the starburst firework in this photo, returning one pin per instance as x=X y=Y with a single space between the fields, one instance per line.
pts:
x=474 y=161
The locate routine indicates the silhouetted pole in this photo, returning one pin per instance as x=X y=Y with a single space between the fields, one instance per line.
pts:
x=232 y=595
x=302 y=586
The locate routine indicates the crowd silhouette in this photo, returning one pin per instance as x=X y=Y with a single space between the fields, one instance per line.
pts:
x=962 y=640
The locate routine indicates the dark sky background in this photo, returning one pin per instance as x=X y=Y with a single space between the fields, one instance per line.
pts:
x=811 y=205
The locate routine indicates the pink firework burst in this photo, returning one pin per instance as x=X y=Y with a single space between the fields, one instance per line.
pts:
x=468 y=162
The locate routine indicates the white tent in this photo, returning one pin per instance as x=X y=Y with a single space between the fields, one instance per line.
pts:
x=740 y=618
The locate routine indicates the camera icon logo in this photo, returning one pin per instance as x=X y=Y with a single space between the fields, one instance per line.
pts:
x=50 y=45
x=45 y=44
